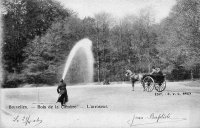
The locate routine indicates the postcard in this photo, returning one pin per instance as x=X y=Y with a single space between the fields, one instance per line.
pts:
x=100 y=64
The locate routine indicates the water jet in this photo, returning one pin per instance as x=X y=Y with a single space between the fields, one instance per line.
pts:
x=79 y=64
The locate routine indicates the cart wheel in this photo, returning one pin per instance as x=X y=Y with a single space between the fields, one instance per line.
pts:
x=148 y=83
x=160 y=87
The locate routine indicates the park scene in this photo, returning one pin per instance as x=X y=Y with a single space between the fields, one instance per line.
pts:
x=62 y=68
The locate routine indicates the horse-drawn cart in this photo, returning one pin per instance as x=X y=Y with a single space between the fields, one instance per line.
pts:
x=154 y=81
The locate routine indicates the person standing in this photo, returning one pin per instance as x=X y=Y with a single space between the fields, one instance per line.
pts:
x=61 y=89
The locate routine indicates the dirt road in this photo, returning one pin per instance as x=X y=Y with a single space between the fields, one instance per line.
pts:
x=102 y=106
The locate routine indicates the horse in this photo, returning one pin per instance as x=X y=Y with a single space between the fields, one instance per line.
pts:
x=134 y=77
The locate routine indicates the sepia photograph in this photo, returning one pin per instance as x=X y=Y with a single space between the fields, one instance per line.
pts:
x=100 y=64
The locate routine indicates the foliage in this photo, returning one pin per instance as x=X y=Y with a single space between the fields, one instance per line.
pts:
x=39 y=35
x=179 y=43
x=23 y=20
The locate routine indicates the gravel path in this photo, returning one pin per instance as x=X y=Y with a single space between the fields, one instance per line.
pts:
x=102 y=106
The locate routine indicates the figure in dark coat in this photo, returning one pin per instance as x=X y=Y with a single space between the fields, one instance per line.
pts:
x=63 y=97
x=159 y=76
x=154 y=71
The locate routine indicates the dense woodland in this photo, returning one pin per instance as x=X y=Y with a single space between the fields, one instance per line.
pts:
x=39 y=34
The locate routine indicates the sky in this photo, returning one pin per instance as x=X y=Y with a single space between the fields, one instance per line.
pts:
x=119 y=8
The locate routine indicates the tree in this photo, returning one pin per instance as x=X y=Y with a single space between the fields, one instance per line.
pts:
x=46 y=56
x=180 y=35
x=103 y=26
x=138 y=39
x=23 y=21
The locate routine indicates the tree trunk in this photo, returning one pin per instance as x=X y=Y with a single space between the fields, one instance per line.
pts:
x=191 y=75
x=98 y=57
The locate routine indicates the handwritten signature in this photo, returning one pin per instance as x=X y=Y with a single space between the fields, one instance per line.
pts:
x=27 y=120
x=152 y=119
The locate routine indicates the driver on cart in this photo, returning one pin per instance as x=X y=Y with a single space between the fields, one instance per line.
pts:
x=157 y=74
x=154 y=71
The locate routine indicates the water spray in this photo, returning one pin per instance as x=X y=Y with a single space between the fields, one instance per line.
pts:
x=86 y=46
